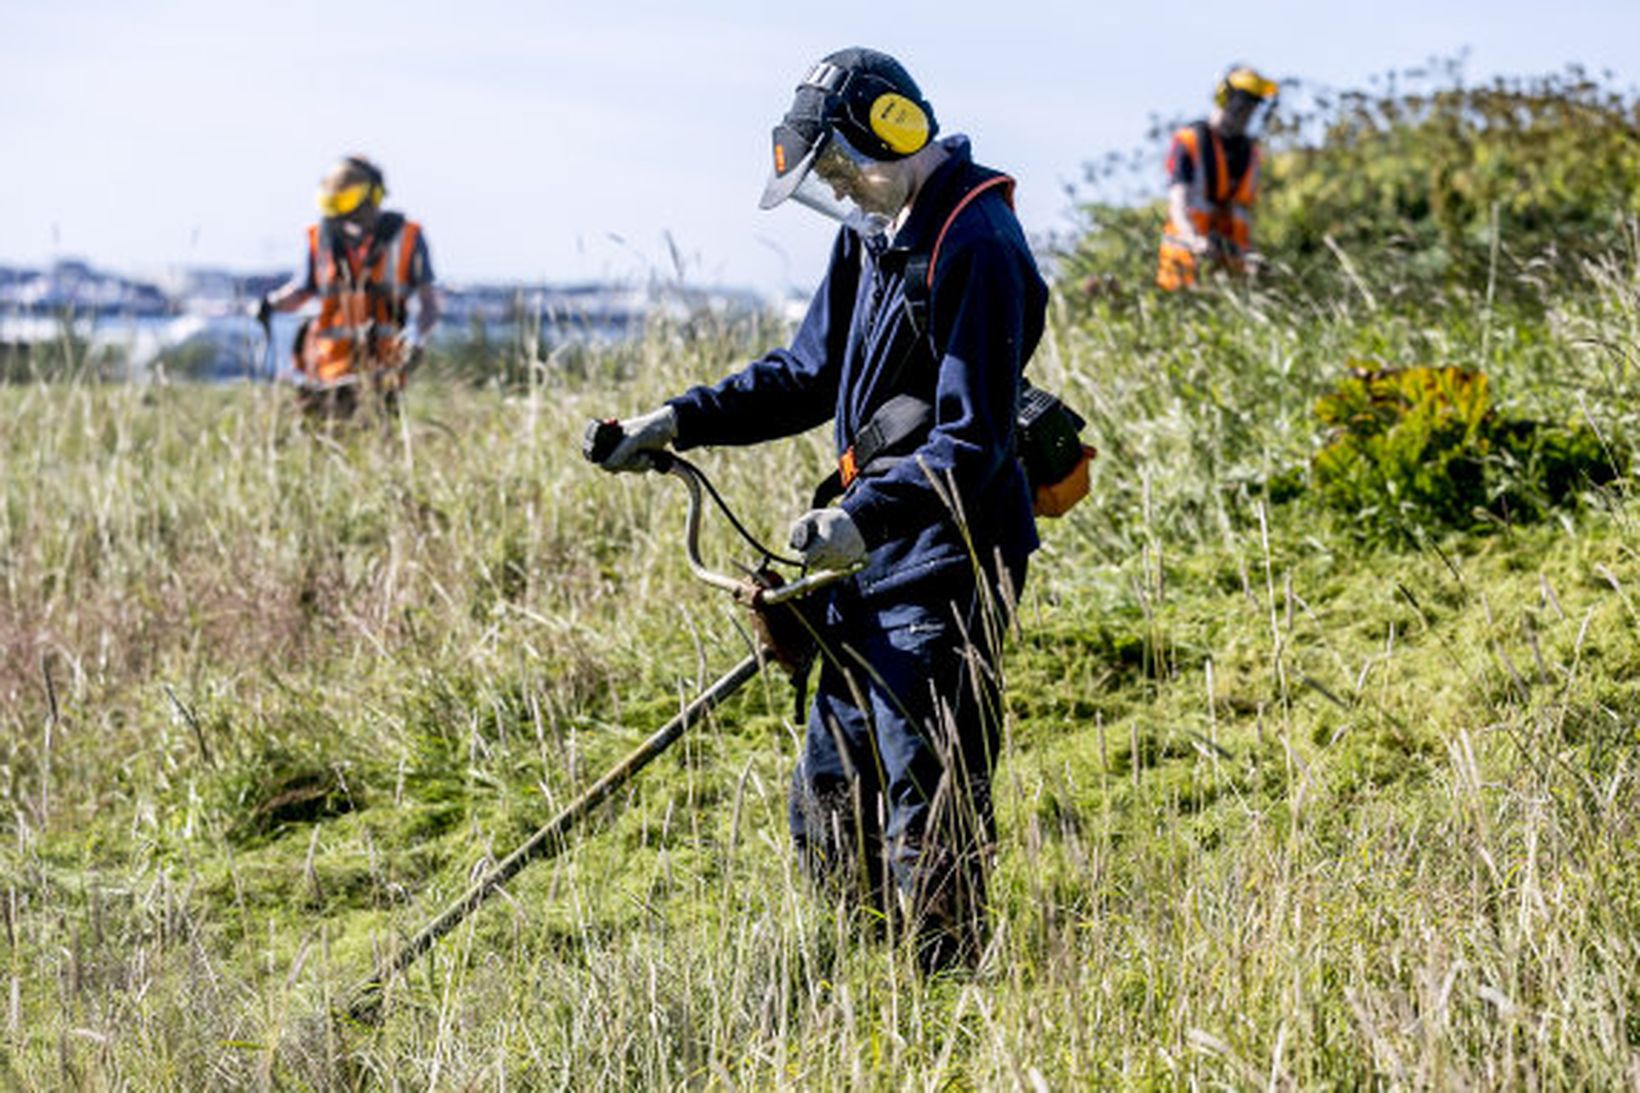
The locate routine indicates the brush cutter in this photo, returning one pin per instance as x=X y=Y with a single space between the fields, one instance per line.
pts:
x=785 y=634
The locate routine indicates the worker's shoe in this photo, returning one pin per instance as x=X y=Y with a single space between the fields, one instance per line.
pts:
x=942 y=907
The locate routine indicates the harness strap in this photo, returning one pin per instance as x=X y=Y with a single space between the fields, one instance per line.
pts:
x=1218 y=186
x=919 y=268
x=939 y=240
x=899 y=419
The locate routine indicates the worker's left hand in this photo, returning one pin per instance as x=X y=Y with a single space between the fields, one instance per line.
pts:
x=828 y=539
x=640 y=437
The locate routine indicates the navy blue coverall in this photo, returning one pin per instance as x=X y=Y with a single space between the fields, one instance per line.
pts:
x=903 y=730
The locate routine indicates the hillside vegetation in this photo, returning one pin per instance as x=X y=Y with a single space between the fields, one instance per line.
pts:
x=1312 y=780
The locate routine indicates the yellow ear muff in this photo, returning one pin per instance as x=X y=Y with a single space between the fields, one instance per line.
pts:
x=377 y=192
x=899 y=123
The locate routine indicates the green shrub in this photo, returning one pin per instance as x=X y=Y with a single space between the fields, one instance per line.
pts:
x=1409 y=448
x=1440 y=183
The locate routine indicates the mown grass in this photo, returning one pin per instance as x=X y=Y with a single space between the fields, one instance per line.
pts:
x=1280 y=807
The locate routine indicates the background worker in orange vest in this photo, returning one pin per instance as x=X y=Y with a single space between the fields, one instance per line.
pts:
x=364 y=265
x=1212 y=171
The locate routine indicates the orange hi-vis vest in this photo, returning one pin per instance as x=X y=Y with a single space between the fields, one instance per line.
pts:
x=1219 y=208
x=362 y=295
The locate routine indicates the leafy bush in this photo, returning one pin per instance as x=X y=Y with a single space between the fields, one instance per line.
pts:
x=1411 y=447
x=1538 y=172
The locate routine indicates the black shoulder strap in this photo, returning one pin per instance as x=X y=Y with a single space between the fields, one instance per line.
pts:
x=918 y=295
x=880 y=444
x=382 y=234
x=905 y=415
x=920 y=266
x=388 y=226
x=1207 y=162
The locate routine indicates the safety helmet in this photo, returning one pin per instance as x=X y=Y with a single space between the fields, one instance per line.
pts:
x=1244 y=78
x=353 y=182
x=857 y=106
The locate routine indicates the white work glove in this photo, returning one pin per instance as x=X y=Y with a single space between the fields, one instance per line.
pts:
x=641 y=435
x=828 y=539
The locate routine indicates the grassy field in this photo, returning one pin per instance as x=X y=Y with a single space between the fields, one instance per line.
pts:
x=1283 y=805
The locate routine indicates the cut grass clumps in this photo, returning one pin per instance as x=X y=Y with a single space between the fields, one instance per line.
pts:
x=282 y=784
x=1421 y=448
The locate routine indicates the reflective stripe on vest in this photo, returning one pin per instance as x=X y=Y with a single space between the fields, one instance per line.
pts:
x=390 y=271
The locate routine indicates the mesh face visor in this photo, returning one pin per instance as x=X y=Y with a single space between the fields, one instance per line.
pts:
x=1248 y=112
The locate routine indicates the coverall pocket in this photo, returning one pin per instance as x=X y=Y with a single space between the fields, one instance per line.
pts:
x=913 y=629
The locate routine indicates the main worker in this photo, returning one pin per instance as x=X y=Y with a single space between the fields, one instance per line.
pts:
x=913 y=346
x=365 y=265
x=1213 y=172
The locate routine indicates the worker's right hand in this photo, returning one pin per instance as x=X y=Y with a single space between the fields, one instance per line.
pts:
x=1198 y=244
x=639 y=436
x=828 y=539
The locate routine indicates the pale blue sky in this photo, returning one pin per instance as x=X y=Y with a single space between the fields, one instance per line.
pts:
x=561 y=141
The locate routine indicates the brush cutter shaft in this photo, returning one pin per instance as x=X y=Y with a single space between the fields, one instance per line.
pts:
x=549 y=839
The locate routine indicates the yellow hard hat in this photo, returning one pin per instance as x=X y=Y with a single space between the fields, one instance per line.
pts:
x=1243 y=78
x=353 y=182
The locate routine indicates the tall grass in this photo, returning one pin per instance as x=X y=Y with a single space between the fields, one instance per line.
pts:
x=1278 y=808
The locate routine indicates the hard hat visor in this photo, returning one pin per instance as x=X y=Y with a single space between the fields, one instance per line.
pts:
x=838 y=181
x=1246 y=79
x=860 y=95
x=794 y=154
x=345 y=201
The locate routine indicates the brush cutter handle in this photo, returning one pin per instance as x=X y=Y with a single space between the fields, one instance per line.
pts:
x=747 y=592
x=599 y=442
x=601 y=439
